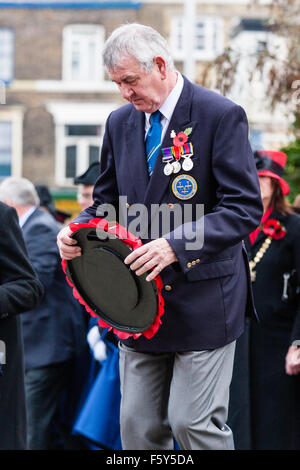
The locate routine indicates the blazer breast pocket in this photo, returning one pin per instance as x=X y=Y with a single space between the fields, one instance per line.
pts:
x=212 y=270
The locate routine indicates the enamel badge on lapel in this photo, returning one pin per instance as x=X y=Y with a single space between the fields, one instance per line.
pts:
x=181 y=149
x=184 y=187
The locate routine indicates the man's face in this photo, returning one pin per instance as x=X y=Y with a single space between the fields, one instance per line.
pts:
x=146 y=91
x=85 y=196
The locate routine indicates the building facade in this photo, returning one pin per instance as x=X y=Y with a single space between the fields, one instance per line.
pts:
x=55 y=95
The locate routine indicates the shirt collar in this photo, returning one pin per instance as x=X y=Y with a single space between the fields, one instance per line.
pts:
x=26 y=215
x=168 y=106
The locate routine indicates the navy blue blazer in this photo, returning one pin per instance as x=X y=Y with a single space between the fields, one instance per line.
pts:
x=55 y=330
x=206 y=306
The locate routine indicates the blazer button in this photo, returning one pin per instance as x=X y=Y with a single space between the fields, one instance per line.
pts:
x=168 y=288
x=193 y=263
x=198 y=260
x=127 y=205
x=189 y=265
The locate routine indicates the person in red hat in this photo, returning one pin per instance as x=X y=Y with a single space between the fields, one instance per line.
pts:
x=264 y=410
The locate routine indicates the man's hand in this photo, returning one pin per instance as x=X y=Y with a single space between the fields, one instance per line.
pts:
x=66 y=244
x=155 y=256
x=292 y=361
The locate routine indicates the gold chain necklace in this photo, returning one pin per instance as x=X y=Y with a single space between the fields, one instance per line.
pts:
x=258 y=257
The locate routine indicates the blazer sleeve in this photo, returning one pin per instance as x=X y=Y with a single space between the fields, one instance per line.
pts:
x=296 y=256
x=20 y=290
x=238 y=209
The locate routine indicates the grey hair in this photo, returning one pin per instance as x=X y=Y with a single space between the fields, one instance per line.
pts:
x=19 y=191
x=139 y=41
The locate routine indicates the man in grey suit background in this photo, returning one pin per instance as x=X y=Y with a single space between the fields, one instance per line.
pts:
x=54 y=333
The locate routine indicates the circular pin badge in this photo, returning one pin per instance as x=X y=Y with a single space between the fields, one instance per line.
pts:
x=176 y=166
x=184 y=187
x=168 y=169
x=188 y=164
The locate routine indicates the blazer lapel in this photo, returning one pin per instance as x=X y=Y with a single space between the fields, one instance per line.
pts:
x=180 y=120
x=136 y=153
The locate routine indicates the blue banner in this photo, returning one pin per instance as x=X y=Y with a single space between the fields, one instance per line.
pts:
x=70 y=4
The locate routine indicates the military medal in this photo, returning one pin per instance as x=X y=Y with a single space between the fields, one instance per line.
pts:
x=176 y=151
x=187 y=153
x=176 y=166
x=167 y=158
x=180 y=149
x=187 y=164
x=168 y=169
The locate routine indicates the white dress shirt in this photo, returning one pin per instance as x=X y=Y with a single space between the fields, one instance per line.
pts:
x=25 y=216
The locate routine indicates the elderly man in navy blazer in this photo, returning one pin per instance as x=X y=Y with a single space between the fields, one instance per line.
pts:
x=176 y=143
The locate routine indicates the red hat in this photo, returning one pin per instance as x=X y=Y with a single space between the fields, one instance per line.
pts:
x=271 y=163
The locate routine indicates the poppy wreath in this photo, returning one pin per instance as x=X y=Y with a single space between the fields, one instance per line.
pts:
x=274 y=229
x=133 y=242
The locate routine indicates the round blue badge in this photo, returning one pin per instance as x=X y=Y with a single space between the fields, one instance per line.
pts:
x=184 y=187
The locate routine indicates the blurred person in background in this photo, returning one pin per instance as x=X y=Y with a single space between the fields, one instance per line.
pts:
x=20 y=290
x=47 y=203
x=264 y=410
x=54 y=333
x=86 y=183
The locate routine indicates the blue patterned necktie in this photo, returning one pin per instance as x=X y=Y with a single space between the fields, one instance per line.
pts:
x=153 y=140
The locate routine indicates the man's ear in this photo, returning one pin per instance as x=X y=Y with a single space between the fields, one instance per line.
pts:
x=160 y=64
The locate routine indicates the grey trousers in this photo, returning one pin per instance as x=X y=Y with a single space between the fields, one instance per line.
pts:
x=176 y=395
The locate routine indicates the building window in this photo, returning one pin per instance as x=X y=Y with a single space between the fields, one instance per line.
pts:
x=208 y=40
x=5 y=149
x=6 y=55
x=79 y=129
x=81 y=144
x=82 y=52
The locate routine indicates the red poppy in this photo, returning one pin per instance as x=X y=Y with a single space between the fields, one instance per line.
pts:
x=180 y=139
x=274 y=229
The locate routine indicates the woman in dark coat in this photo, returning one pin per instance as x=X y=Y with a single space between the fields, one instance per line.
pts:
x=20 y=290
x=264 y=410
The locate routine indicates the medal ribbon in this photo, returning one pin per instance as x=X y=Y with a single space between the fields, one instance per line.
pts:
x=167 y=154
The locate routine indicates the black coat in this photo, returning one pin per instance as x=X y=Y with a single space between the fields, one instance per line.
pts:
x=264 y=408
x=56 y=330
x=19 y=290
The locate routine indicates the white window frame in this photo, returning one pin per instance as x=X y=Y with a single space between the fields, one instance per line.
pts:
x=69 y=33
x=82 y=144
x=14 y=115
x=76 y=113
x=10 y=76
x=213 y=25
